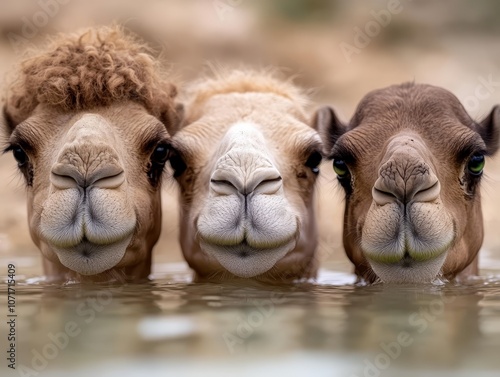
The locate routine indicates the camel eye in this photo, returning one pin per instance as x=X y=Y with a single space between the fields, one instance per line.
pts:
x=313 y=162
x=158 y=158
x=340 y=168
x=20 y=155
x=160 y=154
x=476 y=164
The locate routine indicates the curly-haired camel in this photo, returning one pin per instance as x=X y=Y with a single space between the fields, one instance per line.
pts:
x=247 y=161
x=411 y=162
x=88 y=120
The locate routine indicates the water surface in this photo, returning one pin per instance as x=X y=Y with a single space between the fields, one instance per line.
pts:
x=172 y=327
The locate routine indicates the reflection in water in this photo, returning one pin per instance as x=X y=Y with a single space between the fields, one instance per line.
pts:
x=173 y=325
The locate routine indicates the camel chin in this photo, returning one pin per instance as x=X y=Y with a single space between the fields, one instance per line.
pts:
x=87 y=258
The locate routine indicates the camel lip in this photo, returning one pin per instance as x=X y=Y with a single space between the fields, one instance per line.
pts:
x=409 y=252
x=83 y=241
x=244 y=249
x=409 y=270
x=87 y=258
x=406 y=260
x=245 y=240
x=245 y=261
x=86 y=248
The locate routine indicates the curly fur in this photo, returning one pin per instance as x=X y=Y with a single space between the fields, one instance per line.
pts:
x=90 y=69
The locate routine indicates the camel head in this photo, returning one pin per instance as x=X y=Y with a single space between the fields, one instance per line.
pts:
x=247 y=161
x=411 y=162
x=87 y=120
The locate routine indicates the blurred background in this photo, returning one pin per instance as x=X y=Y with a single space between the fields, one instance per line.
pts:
x=336 y=50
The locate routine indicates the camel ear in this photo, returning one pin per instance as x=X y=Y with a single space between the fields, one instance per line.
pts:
x=489 y=129
x=329 y=127
x=7 y=123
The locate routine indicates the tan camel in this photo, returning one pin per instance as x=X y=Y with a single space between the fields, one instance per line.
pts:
x=247 y=162
x=87 y=120
x=411 y=162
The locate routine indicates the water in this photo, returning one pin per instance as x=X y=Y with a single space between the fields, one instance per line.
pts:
x=172 y=327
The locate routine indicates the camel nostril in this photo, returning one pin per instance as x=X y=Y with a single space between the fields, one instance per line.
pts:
x=269 y=186
x=221 y=182
x=63 y=181
x=383 y=197
x=383 y=193
x=266 y=186
x=223 y=186
x=428 y=193
x=64 y=176
x=110 y=182
x=232 y=181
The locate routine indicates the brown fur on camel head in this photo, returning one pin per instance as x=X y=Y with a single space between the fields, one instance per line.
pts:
x=88 y=119
x=411 y=162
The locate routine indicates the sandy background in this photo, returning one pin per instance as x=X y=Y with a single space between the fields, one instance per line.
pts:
x=454 y=44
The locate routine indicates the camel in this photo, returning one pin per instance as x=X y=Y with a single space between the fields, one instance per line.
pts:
x=410 y=162
x=246 y=159
x=87 y=119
